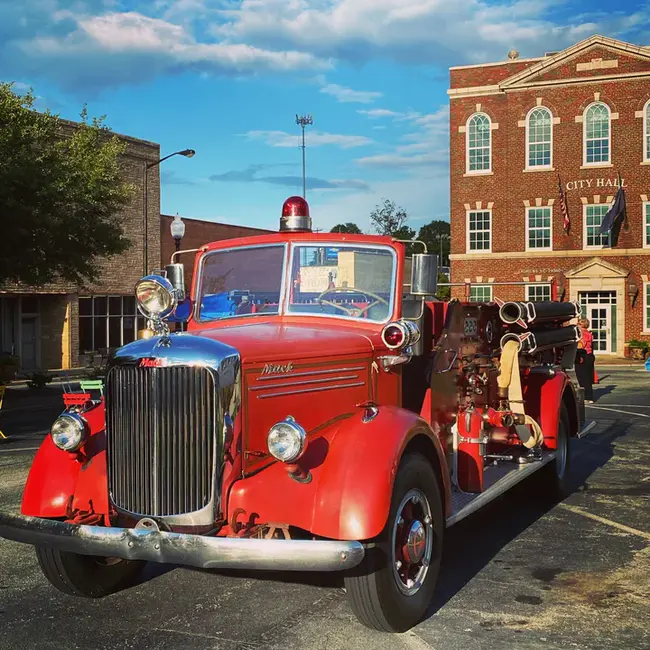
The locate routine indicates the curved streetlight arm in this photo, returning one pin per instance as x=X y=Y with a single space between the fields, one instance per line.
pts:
x=188 y=153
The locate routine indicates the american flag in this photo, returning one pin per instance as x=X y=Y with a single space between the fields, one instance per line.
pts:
x=563 y=205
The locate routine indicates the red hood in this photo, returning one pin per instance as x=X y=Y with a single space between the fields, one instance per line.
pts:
x=272 y=341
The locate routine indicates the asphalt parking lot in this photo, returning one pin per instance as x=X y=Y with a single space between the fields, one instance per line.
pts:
x=521 y=574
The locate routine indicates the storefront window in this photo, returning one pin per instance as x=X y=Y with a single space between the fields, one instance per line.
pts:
x=107 y=322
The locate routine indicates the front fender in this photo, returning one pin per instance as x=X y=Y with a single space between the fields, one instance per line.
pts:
x=543 y=396
x=51 y=481
x=352 y=466
x=55 y=475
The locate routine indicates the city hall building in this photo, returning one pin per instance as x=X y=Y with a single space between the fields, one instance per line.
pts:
x=61 y=325
x=523 y=134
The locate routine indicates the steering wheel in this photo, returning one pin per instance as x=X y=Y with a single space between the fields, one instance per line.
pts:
x=356 y=310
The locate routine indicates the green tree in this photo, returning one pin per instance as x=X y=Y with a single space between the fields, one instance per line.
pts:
x=436 y=235
x=389 y=219
x=349 y=228
x=61 y=194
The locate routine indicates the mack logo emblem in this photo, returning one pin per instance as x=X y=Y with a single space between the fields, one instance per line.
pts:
x=151 y=363
x=272 y=368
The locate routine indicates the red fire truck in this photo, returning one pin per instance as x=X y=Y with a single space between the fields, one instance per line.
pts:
x=321 y=412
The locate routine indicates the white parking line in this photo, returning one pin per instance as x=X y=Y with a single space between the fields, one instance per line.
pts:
x=6 y=451
x=603 y=408
x=607 y=522
x=633 y=406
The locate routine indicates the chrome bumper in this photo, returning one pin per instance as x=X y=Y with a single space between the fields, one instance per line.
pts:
x=188 y=550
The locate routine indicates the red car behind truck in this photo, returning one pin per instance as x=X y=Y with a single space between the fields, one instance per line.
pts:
x=322 y=412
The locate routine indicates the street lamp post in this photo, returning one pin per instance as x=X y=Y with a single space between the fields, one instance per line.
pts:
x=188 y=153
x=177 y=228
x=302 y=121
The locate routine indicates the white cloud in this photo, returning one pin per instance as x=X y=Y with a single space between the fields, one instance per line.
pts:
x=378 y=112
x=91 y=52
x=396 y=160
x=315 y=139
x=420 y=31
x=347 y=95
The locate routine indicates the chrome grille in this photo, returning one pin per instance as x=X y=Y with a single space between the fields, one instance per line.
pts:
x=161 y=433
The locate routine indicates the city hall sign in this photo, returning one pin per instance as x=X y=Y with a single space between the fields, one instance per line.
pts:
x=594 y=183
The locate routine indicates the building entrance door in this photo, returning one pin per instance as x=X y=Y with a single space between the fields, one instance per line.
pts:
x=599 y=307
x=29 y=342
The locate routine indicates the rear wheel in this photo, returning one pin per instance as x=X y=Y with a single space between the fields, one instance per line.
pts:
x=394 y=585
x=87 y=575
x=555 y=475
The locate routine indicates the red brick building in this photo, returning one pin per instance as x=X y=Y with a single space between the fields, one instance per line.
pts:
x=519 y=128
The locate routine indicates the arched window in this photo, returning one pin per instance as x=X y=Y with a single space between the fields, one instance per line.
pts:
x=479 y=144
x=646 y=132
x=597 y=134
x=539 y=138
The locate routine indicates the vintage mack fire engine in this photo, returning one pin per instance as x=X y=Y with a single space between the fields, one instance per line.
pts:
x=321 y=412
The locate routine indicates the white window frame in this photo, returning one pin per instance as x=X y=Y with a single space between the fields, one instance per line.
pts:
x=481 y=251
x=645 y=206
x=584 y=227
x=538 y=248
x=646 y=132
x=480 y=286
x=600 y=163
x=534 y=286
x=646 y=304
x=528 y=166
x=478 y=172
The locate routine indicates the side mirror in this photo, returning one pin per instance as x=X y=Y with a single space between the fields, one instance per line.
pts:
x=424 y=274
x=176 y=275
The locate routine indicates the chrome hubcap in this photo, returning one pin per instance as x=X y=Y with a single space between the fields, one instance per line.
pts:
x=412 y=539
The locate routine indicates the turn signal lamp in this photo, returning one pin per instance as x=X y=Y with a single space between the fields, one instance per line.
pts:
x=400 y=334
x=295 y=215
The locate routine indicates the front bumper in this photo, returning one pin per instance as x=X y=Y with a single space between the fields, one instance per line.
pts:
x=188 y=550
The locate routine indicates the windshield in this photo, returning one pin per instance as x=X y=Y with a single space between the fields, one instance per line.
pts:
x=241 y=281
x=342 y=280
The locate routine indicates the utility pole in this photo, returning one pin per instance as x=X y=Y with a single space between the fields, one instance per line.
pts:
x=302 y=121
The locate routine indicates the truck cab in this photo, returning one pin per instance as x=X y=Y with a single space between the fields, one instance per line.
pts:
x=320 y=411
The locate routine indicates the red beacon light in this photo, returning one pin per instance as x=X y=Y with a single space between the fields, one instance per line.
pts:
x=400 y=334
x=295 y=215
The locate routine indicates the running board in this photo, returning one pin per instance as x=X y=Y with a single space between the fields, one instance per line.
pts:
x=497 y=479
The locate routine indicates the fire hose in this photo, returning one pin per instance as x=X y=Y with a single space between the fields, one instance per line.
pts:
x=509 y=382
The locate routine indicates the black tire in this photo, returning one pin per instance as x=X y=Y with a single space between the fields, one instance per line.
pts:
x=373 y=590
x=85 y=575
x=554 y=478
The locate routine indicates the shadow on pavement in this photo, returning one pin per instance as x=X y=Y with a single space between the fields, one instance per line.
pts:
x=471 y=544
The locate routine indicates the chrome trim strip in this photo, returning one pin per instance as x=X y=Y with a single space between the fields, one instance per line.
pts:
x=311 y=390
x=302 y=383
x=188 y=550
x=287 y=375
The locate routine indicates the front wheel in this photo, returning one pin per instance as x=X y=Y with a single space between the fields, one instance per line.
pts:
x=394 y=586
x=86 y=575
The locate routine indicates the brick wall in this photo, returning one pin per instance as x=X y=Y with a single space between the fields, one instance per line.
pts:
x=197 y=233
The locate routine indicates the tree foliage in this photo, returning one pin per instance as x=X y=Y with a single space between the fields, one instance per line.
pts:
x=349 y=228
x=436 y=235
x=389 y=219
x=61 y=194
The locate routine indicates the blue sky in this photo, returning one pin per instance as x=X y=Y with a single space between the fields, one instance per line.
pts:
x=227 y=78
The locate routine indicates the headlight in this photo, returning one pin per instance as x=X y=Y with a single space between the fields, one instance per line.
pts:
x=286 y=440
x=156 y=296
x=69 y=431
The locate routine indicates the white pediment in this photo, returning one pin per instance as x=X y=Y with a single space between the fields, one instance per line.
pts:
x=597 y=268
